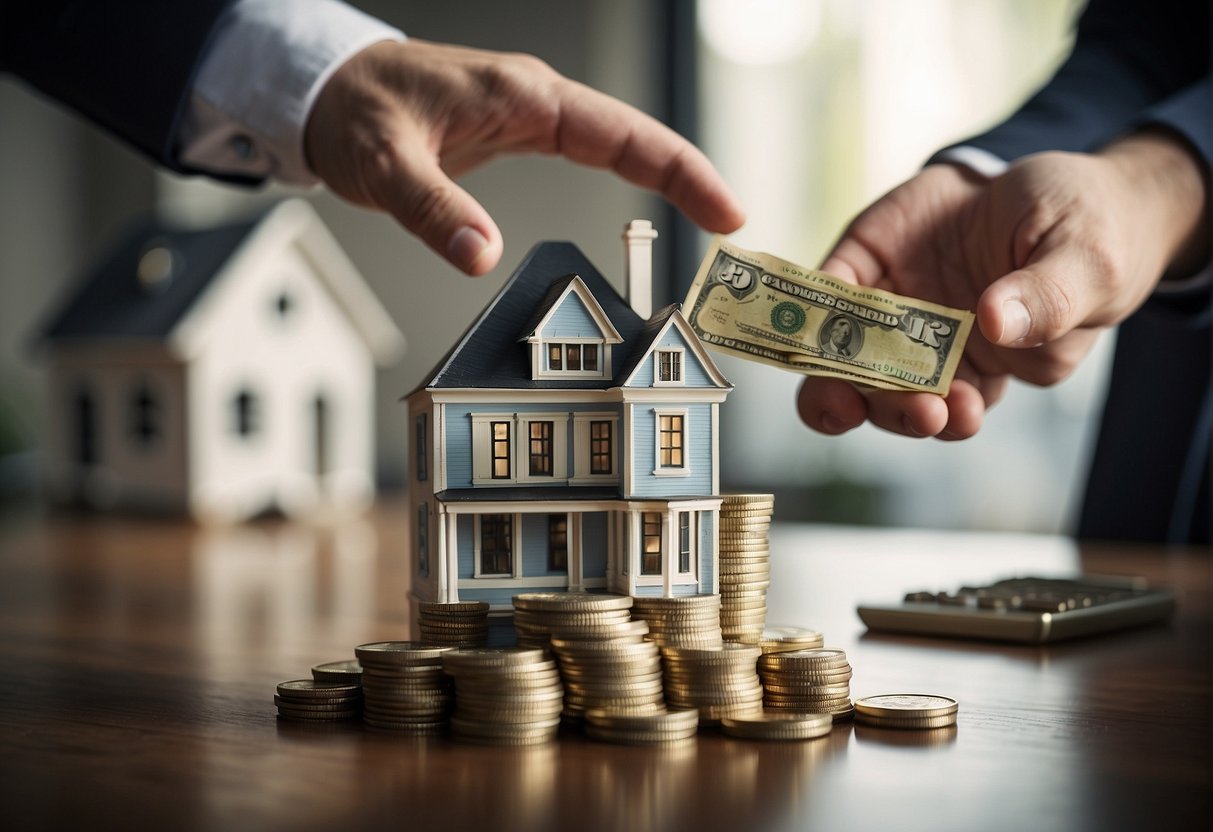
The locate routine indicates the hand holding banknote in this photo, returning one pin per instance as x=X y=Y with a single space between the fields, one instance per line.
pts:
x=1056 y=249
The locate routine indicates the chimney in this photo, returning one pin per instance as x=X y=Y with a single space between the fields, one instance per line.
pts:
x=638 y=237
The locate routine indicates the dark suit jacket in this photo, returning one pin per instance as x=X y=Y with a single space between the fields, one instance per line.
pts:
x=127 y=65
x=1135 y=63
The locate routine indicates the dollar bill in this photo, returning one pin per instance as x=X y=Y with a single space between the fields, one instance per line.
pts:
x=765 y=309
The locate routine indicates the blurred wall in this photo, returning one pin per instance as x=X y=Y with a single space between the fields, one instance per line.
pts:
x=68 y=189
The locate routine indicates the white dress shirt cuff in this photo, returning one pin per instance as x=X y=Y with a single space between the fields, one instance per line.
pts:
x=981 y=162
x=256 y=85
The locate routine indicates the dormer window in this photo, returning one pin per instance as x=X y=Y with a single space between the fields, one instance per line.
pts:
x=573 y=358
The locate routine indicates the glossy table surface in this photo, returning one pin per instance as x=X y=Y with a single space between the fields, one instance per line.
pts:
x=138 y=661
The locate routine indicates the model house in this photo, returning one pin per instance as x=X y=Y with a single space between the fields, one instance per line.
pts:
x=567 y=443
x=219 y=373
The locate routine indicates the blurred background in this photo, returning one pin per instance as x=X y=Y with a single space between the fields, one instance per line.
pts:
x=810 y=108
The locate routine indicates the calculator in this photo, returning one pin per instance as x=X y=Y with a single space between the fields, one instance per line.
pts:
x=1026 y=610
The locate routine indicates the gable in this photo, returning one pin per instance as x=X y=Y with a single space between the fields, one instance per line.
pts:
x=571 y=319
x=668 y=332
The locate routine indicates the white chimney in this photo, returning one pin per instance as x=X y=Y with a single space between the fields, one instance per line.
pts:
x=638 y=237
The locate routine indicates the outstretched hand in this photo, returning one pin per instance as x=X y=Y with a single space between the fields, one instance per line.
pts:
x=1056 y=249
x=395 y=123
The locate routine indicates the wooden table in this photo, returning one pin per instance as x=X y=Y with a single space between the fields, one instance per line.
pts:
x=138 y=662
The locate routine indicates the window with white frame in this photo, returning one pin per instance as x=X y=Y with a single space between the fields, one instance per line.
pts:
x=671 y=431
x=420 y=452
x=651 y=543
x=686 y=541
x=595 y=446
x=667 y=367
x=144 y=416
x=574 y=358
x=495 y=545
x=519 y=448
x=558 y=543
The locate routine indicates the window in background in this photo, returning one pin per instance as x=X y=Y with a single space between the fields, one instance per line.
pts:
x=814 y=108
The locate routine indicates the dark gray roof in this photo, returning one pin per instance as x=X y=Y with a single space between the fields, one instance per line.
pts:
x=489 y=353
x=111 y=302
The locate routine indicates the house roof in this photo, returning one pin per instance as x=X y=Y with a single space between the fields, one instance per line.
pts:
x=489 y=353
x=112 y=300
x=151 y=286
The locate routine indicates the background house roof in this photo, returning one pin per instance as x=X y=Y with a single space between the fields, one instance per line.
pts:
x=113 y=302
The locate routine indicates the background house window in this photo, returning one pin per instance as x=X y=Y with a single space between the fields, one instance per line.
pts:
x=144 y=416
x=684 y=541
x=420 y=454
x=573 y=357
x=501 y=449
x=650 y=554
x=496 y=539
x=541 y=449
x=669 y=366
x=558 y=542
x=601 y=452
x=246 y=417
x=423 y=540
x=670 y=440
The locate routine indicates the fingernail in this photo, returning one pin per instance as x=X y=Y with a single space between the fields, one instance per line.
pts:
x=465 y=247
x=908 y=424
x=832 y=423
x=1017 y=320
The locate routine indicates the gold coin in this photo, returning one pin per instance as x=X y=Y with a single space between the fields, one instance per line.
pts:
x=311 y=689
x=399 y=653
x=783 y=725
x=471 y=658
x=906 y=706
x=346 y=671
x=327 y=705
x=453 y=606
x=570 y=601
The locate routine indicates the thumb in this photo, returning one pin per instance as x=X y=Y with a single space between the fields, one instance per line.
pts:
x=1036 y=304
x=422 y=198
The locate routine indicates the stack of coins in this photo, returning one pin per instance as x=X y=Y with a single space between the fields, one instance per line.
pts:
x=582 y=615
x=907 y=710
x=404 y=687
x=814 y=681
x=641 y=729
x=777 y=725
x=785 y=639
x=345 y=672
x=745 y=569
x=311 y=701
x=681 y=620
x=719 y=683
x=505 y=695
x=459 y=624
x=620 y=675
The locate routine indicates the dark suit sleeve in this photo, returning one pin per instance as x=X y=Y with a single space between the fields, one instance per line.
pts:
x=1129 y=56
x=127 y=65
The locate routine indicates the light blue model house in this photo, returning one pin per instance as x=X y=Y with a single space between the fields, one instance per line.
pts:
x=566 y=443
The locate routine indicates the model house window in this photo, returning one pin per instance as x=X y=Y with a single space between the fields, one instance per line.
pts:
x=144 y=416
x=420 y=455
x=650 y=552
x=601 y=452
x=541 y=449
x=669 y=366
x=423 y=541
x=558 y=542
x=573 y=358
x=245 y=413
x=500 y=432
x=496 y=539
x=671 y=440
x=684 y=541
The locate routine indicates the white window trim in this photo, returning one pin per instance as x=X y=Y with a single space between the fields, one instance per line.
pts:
x=685 y=470
x=560 y=448
x=482 y=448
x=693 y=531
x=515 y=548
x=539 y=359
x=520 y=448
x=682 y=367
x=581 y=449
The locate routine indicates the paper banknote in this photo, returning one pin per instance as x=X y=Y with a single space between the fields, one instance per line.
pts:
x=760 y=307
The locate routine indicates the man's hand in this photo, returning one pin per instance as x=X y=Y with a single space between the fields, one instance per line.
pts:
x=397 y=121
x=1056 y=249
